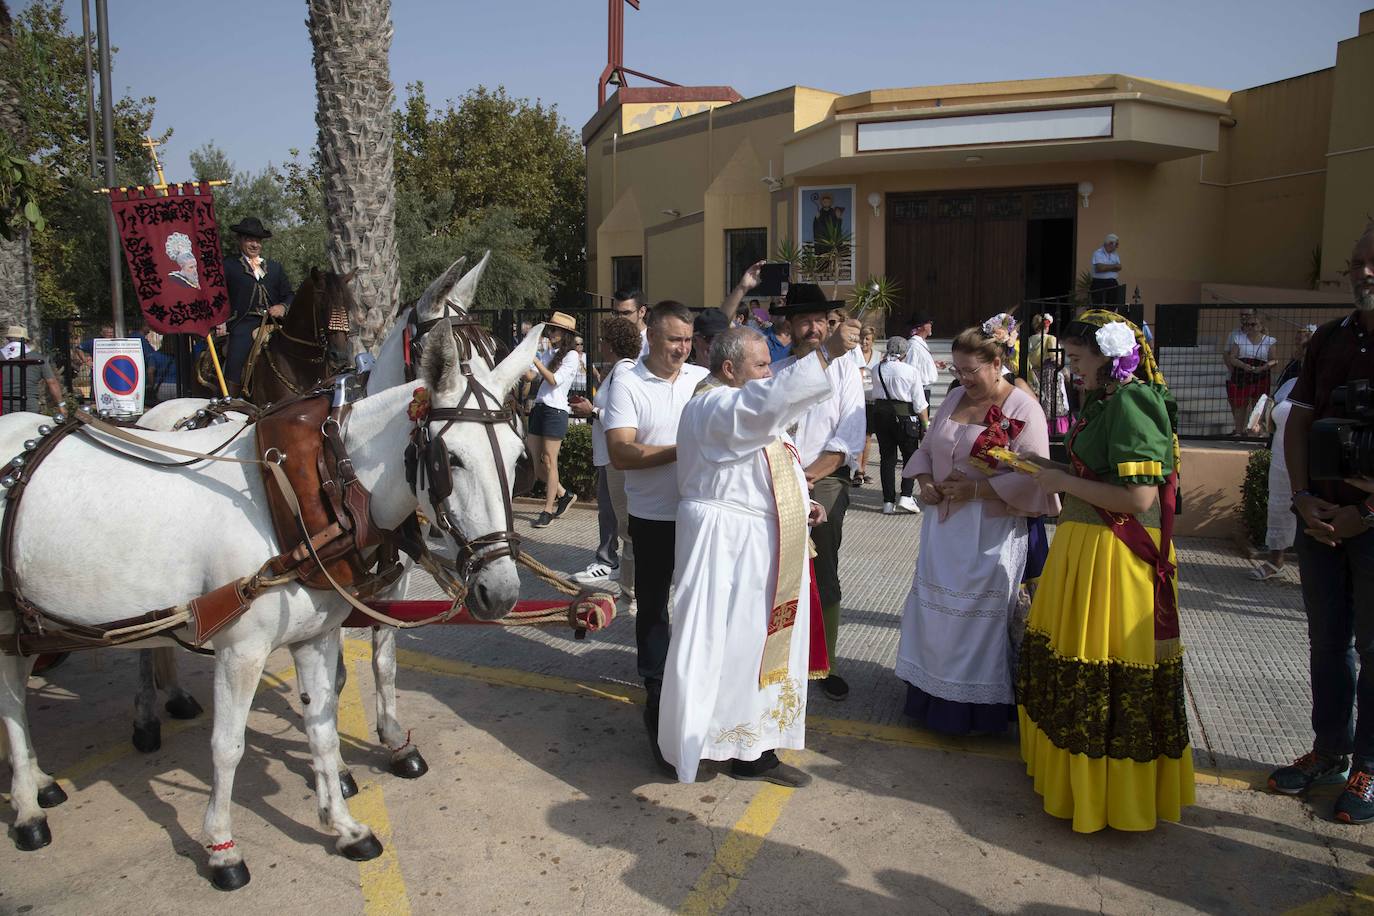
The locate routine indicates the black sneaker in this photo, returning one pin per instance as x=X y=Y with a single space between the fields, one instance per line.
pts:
x=1311 y=769
x=542 y=520
x=835 y=687
x=563 y=502
x=1356 y=804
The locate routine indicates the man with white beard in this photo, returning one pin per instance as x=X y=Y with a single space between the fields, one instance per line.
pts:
x=735 y=681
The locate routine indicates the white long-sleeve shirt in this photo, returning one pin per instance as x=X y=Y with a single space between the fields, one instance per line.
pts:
x=836 y=424
x=918 y=356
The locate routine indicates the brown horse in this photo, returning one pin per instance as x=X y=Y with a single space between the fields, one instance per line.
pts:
x=307 y=347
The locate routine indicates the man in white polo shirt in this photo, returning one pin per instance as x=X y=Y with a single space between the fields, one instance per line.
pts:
x=641 y=435
x=1107 y=288
x=829 y=437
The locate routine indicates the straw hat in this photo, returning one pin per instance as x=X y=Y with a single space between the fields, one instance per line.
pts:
x=562 y=320
x=17 y=332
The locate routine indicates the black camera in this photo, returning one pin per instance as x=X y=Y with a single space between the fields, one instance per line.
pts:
x=1343 y=447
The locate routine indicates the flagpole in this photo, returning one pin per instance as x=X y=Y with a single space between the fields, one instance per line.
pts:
x=102 y=26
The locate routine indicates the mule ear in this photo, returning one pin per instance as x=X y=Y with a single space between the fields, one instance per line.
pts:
x=426 y=308
x=515 y=365
x=315 y=276
x=348 y=277
x=439 y=362
x=464 y=292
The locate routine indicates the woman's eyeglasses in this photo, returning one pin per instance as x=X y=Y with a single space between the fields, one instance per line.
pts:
x=969 y=372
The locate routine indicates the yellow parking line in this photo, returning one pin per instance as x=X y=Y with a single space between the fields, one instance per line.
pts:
x=826 y=725
x=1360 y=899
x=722 y=877
x=383 y=886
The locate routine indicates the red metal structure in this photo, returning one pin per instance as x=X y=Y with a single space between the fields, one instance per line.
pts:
x=614 y=74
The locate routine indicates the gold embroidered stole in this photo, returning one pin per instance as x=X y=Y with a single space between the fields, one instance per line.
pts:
x=792 y=553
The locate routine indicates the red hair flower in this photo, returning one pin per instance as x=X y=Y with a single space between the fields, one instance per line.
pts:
x=419 y=405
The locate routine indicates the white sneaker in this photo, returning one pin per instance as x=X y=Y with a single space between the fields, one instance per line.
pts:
x=596 y=572
x=907 y=504
x=889 y=509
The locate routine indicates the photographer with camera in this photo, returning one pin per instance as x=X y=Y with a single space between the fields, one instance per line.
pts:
x=1329 y=446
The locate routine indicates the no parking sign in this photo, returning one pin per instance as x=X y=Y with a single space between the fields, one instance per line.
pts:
x=117 y=375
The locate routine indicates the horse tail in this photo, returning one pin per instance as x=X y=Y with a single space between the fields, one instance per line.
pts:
x=164 y=667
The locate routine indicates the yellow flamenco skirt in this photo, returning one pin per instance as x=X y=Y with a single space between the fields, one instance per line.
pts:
x=1104 y=725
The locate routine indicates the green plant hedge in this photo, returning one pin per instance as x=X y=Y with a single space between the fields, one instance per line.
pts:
x=1254 y=494
x=575 y=469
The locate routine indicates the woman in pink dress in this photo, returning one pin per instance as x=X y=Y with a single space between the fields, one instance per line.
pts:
x=956 y=650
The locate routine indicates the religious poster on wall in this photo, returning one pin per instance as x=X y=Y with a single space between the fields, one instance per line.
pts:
x=172 y=248
x=826 y=225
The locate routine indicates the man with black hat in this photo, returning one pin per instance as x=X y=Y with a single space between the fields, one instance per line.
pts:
x=829 y=437
x=256 y=286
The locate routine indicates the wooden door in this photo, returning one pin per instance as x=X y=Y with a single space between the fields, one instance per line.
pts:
x=952 y=277
x=1001 y=266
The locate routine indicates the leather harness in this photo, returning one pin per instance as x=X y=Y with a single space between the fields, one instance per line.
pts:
x=322 y=537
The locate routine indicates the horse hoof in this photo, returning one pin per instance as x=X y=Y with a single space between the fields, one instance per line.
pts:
x=348 y=784
x=183 y=706
x=365 y=850
x=230 y=877
x=412 y=766
x=148 y=739
x=28 y=837
x=51 y=795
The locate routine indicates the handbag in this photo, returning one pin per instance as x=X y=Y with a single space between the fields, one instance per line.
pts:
x=907 y=422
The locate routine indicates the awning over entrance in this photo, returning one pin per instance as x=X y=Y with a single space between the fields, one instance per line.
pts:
x=1096 y=124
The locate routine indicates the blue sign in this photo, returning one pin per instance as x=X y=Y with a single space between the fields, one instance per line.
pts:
x=120 y=375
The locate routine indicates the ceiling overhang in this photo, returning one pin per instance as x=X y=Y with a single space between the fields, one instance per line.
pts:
x=1129 y=126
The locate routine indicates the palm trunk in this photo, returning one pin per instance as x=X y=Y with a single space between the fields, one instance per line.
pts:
x=354 y=99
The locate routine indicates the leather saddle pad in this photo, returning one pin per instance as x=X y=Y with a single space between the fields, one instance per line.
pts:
x=293 y=429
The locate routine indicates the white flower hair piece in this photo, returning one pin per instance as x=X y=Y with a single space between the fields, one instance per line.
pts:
x=1115 y=339
x=178 y=247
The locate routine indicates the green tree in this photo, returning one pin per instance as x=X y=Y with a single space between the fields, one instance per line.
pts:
x=284 y=199
x=43 y=76
x=491 y=150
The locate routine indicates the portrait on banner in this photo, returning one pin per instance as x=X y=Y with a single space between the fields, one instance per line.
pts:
x=171 y=244
x=825 y=217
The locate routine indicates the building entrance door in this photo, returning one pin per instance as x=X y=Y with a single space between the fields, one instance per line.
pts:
x=961 y=256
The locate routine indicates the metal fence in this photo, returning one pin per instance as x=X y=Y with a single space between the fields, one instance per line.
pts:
x=1224 y=362
x=1220 y=372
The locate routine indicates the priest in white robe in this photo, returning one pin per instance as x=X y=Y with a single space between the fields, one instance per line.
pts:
x=735 y=684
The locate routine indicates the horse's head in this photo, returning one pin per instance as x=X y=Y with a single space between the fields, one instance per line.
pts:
x=453 y=289
x=470 y=464
x=331 y=316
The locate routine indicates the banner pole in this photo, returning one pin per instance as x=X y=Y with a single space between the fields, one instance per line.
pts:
x=214 y=359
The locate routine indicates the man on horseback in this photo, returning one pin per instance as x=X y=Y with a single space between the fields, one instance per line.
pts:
x=256 y=286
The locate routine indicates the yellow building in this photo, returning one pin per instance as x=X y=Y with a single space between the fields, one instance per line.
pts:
x=975 y=197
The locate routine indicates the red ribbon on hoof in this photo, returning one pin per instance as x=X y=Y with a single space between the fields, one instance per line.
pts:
x=220 y=847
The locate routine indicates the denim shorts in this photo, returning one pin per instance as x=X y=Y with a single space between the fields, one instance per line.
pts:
x=548 y=422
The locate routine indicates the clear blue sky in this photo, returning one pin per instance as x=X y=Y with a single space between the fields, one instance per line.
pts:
x=243 y=78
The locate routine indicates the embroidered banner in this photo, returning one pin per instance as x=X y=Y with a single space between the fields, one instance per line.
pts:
x=172 y=247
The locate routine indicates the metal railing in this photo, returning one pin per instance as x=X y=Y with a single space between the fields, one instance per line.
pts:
x=1193 y=343
x=1219 y=370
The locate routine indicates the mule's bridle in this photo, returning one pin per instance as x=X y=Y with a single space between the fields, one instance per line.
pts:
x=428 y=452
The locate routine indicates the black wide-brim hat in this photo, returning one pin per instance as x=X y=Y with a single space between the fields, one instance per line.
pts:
x=251 y=226
x=805 y=299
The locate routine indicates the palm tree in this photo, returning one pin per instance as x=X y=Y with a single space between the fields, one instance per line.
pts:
x=18 y=297
x=354 y=97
